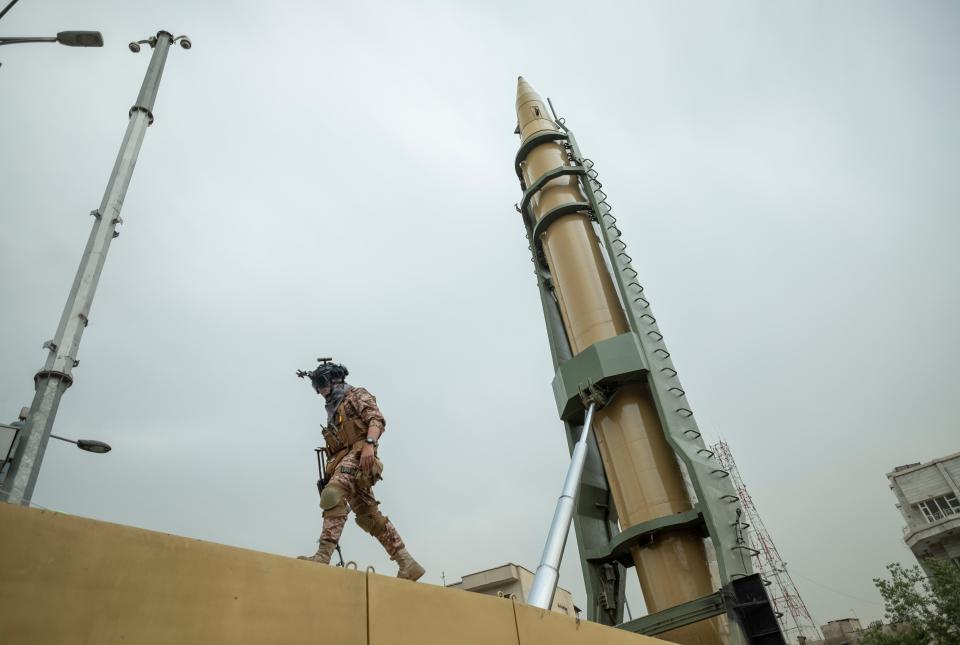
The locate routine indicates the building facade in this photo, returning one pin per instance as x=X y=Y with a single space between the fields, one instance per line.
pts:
x=512 y=581
x=843 y=631
x=928 y=497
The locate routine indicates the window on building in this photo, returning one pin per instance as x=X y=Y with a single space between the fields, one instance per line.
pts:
x=939 y=507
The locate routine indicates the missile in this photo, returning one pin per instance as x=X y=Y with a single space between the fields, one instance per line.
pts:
x=645 y=479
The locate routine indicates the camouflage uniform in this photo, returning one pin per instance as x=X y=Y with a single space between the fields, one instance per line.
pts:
x=363 y=504
x=349 y=487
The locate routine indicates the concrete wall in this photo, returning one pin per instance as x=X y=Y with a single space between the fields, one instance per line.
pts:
x=66 y=580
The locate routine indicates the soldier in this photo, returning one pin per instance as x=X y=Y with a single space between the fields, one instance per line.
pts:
x=354 y=427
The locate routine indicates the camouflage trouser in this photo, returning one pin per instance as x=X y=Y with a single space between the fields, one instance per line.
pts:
x=362 y=502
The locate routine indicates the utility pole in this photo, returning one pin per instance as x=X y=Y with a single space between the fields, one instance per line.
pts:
x=56 y=376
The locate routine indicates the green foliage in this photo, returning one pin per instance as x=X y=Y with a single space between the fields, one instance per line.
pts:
x=925 y=610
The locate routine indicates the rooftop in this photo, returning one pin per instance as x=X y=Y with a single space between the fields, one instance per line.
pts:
x=900 y=470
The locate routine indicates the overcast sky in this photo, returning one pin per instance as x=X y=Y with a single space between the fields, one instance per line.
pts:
x=337 y=179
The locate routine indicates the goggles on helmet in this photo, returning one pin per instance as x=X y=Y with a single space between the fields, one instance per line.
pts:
x=326 y=373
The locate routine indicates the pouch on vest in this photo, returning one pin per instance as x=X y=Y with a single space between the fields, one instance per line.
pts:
x=332 y=438
x=342 y=432
x=367 y=481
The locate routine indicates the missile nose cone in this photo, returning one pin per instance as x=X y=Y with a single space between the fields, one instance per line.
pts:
x=525 y=91
x=532 y=114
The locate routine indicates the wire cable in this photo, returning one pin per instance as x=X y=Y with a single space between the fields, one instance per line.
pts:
x=8 y=8
x=842 y=593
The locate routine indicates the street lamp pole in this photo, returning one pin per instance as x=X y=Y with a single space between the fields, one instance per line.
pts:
x=56 y=376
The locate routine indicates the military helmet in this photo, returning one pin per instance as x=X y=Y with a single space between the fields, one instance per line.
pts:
x=326 y=373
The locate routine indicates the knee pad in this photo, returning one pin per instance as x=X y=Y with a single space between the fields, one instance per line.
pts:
x=372 y=521
x=332 y=501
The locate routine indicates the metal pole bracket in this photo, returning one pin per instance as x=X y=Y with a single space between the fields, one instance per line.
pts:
x=644 y=534
x=602 y=367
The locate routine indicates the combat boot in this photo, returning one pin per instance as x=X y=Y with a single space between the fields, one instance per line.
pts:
x=410 y=569
x=323 y=553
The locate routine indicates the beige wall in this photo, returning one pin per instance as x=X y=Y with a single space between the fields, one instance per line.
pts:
x=66 y=580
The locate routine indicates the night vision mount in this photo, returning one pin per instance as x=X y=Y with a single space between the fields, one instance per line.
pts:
x=322 y=361
x=326 y=372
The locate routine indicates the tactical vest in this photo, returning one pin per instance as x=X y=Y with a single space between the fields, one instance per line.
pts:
x=342 y=432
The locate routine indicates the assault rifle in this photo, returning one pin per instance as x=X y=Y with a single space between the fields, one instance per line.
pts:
x=322 y=482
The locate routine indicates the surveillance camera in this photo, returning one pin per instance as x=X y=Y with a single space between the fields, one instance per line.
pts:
x=185 y=43
x=134 y=47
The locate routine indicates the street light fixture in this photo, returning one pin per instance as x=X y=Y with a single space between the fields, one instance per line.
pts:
x=80 y=38
x=90 y=445
x=68 y=38
x=10 y=438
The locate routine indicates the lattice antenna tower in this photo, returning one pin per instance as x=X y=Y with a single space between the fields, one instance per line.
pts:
x=792 y=613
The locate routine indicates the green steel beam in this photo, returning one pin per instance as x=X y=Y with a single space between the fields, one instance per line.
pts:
x=689 y=612
x=716 y=496
x=606 y=364
x=618 y=548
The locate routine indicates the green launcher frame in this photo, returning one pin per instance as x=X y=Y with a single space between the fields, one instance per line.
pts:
x=639 y=355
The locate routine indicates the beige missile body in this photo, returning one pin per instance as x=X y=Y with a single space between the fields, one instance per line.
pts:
x=644 y=476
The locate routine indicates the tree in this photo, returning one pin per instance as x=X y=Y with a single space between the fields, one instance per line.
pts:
x=924 y=610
